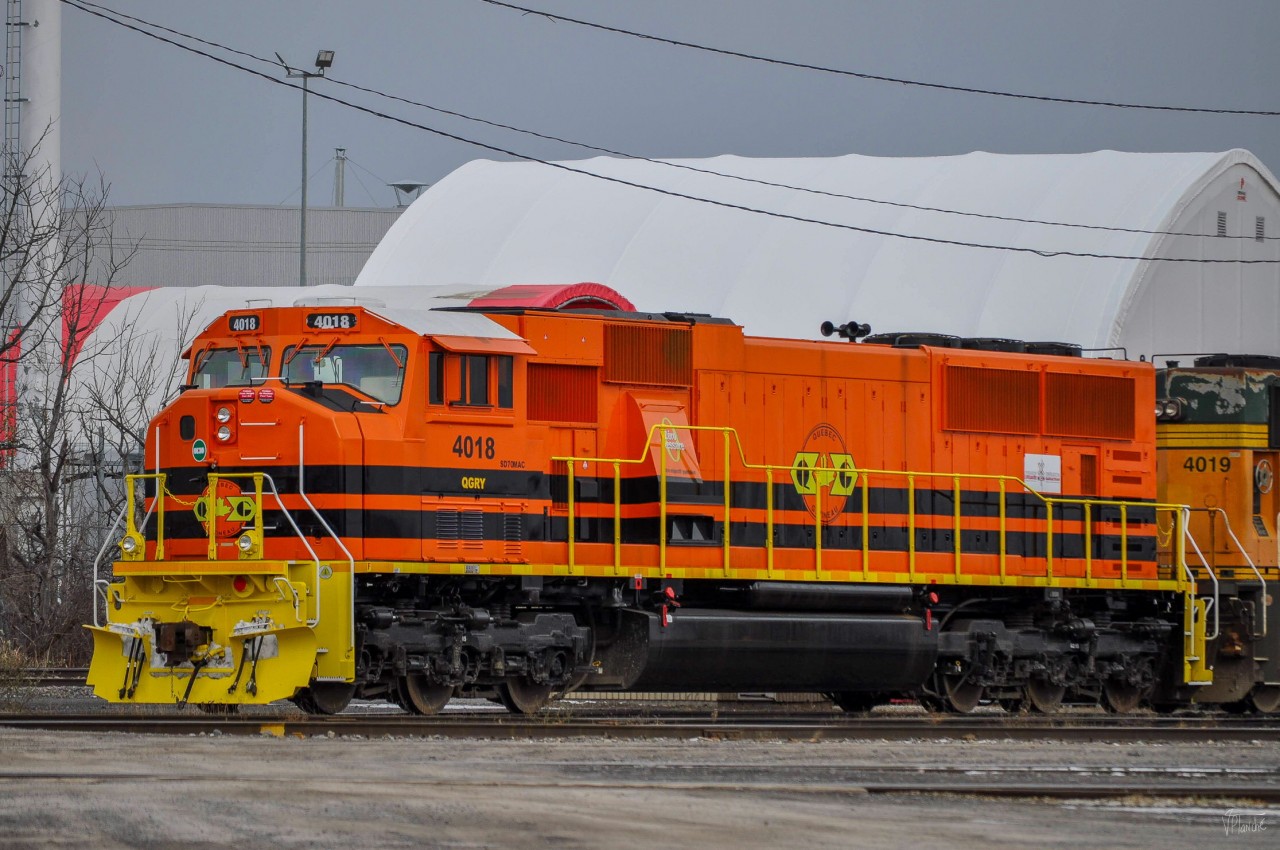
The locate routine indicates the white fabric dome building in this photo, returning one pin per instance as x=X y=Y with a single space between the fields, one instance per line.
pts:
x=492 y=223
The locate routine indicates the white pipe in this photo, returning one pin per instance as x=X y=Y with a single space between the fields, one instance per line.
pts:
x=351 y=562
x=1186 y=533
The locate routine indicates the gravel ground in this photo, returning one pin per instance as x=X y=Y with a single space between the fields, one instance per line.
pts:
x=140 y=791
x=136 y=791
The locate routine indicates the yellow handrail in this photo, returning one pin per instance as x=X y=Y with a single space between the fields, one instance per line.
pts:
x=1003 y=481
x=132 y=531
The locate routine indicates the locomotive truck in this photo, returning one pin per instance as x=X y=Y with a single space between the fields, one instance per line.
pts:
x=520 y=502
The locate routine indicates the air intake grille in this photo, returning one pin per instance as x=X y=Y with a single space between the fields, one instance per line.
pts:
x=1002 y=401
x=1089 y=406
x=562 y=393
x=648 y=354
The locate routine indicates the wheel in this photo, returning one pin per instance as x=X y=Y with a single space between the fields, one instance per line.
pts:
x=1121 y=697
x=962 y=697
x=419 y=696
x=521 y=696
x=856 y=702
x=324 y=697
x=1265 y=698
x=1045 y=697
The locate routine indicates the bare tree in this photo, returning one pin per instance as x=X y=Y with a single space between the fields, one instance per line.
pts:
x=58 y=237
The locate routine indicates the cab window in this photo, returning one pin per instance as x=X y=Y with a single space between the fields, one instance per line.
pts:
x=375 y=370
x=231 y=367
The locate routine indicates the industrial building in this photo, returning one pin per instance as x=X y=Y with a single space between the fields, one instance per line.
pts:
x=191 y=245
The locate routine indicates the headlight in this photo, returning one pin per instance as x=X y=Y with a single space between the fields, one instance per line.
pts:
x=1169 y=409
x=224 y=433
x=129 y=545
x=245 y=543
x=224 y=414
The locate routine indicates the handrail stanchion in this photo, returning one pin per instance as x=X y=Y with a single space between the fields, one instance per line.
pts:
x=1004 y=517
x=866 y=526
x=259 y=526
x=662 y=503
x=211 y=515
x=768 y=519
x=817 y=531
x=726 y=502
x=1088 y=544
x=911 y=527
x=1124 y=544
x=1048 y=533
x=617 y=518
x=569 y=465
x=161 y=486
x=955 y=484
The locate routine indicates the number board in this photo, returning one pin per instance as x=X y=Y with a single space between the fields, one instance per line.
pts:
x=331 y=321
x=244 y=323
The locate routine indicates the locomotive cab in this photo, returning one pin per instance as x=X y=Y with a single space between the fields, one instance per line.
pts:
x=1218 y=433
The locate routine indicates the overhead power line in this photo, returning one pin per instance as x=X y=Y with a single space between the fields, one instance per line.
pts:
x=80 y=5
x=678 y=165
x=806 y=66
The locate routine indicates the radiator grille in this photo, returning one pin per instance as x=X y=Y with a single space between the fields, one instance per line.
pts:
x=1003 y=401
x=648 y=354
x=1089 y=406
x=559 y=393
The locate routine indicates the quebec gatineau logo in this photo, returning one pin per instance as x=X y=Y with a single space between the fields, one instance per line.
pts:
x=824 y=467
x=231 y=506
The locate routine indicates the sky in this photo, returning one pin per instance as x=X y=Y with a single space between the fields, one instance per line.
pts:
x=166 y=126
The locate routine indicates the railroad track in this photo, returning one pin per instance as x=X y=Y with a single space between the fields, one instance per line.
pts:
x=772 y=727
x=50 y=676
x=1181 y=783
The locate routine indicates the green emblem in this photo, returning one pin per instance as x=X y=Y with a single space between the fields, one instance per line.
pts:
x=199 y=451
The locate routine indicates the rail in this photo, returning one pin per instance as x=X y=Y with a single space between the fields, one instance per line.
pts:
x=826 y=477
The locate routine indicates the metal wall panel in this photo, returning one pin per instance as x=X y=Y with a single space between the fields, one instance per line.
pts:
x=229 y=245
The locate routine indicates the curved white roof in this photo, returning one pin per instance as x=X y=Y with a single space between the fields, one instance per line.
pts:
x=501 y=223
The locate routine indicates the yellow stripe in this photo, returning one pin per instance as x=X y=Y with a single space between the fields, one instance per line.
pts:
x=718 y=572
x=1223 y=434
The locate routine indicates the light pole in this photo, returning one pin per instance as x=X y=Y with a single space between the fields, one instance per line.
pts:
x=324 y=60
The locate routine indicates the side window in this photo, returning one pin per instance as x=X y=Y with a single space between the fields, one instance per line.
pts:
x=471 y=380
x=473 y=387
x=435 y=378
x=506 y=381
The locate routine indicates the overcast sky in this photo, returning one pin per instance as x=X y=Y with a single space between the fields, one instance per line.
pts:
x=165 y=126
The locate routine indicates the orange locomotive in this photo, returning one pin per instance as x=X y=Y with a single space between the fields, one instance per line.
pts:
x=526 y=501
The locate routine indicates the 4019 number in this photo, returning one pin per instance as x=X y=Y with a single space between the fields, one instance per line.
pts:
x=1201 y=463
x=474 y=447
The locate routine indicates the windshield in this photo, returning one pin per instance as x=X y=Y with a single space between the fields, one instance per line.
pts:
x=231 y=367
x=375 y=370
